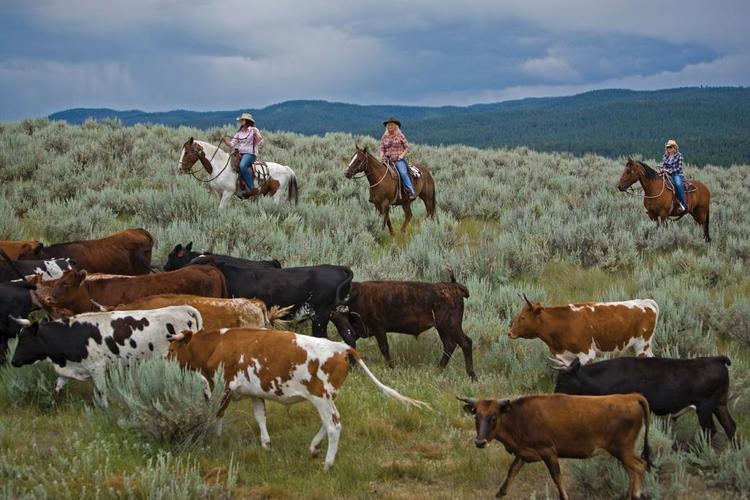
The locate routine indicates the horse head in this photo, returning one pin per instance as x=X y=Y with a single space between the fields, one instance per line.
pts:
x=358 y=163
x=631 y=174
x=191 y=152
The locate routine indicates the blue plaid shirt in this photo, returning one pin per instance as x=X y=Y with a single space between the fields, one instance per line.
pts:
x=673 y=165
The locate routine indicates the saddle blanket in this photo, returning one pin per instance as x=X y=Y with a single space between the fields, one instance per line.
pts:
x=413 y=171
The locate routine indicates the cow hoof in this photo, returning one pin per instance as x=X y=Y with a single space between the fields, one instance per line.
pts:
x=314 y=452
x=327 y=467
x=266 y=446
x=500 y=494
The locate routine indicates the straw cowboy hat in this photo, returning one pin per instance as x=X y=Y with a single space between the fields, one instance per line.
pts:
x=246 y=116
x=392 y=120
x=672 y=142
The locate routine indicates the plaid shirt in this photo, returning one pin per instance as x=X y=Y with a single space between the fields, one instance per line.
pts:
x=673 y=164
x=393 y=147
x=247 y=141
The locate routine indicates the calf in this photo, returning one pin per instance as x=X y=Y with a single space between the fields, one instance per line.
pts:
x=584 y=330
x=181 y=256
x=410 y=307
x=280 y=366
x=218 y=313
x=552 y=426
x=16 y=301
x=76 y=294
x=125 y=252
x=47 y=269
x=670 y=385
x=83 y=346
x=16 y=248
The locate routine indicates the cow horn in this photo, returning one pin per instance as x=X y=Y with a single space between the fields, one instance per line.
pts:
x=526 y=299
x=557 y=364
x=176 y=337
x=99 y=306
x=21 y=321
x=470 y=401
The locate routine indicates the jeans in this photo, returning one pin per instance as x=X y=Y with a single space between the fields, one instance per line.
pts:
x=246 y=161
x=403 y=171
x=679 y=187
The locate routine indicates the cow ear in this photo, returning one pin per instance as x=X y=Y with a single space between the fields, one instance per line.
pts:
x=189 y=247
x=470 y=406
x=537 y=309
x=80 y=276
x=503 y=405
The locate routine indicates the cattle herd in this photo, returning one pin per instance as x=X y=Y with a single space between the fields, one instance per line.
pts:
x=106 y=304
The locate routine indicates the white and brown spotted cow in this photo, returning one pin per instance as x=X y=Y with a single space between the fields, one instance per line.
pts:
x=280 y=366
x=584 y=330
x=83 y=346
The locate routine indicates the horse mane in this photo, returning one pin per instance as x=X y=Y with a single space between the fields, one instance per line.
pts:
x=650 y=172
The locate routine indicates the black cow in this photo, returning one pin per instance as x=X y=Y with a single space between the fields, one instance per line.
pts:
x=47 y=269
x=16 y=301
x=182 y=256
x=670 y=385
x=313 y=292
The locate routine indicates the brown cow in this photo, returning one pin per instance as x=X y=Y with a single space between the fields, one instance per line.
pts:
x=75 y=294
x=280 y=366
x=125 y=252
x=551 y=426
x=583 y=330
x=217 y=313
x=15 y=248
x=410 y=307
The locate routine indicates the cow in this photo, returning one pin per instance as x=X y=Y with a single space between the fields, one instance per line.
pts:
x=125 y=252
x=314 y=292
x=75 y=294
x=411 y=307
x=671 y=386
x=83 y=346
x=46 y=269
x=278 y=366
x=216 y=312
x=16 y=301
x=551 y=426
x=181 y=256
x=14 y=248
x=584 y=330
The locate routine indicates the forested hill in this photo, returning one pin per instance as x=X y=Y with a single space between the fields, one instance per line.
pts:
x=711 y=124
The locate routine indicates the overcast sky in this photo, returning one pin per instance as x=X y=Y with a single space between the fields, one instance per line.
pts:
x=209 y=55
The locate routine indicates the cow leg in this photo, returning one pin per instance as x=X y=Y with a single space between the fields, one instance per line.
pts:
x=329 y=416
x=554 y=470
x=59 y=384
x=3 y=349
x=512 y=471
x=382 y=339
x=220 y=414
x=451 y=336
x=314 y=451
x=706 y=420
x=100 y=383
x=259 y=411
x=319 y=324
x=726 y=420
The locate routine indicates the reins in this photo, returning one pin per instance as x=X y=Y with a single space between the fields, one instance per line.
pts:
x=226 y=164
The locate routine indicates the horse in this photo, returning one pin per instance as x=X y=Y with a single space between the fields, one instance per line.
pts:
x=384 y=188
x=223 y=179
x=659 y=199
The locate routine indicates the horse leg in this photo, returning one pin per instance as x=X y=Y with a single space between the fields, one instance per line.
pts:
x=407 y=215
x=386 y=219
x=700 y=215
x=224 y=198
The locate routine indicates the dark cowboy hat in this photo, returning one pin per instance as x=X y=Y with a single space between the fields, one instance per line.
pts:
x=392 y=120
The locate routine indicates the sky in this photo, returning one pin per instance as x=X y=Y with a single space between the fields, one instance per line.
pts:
x=159 y=55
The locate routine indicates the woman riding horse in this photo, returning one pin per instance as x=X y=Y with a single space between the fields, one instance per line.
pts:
x=393 y=149
x=246 y=140
x=672 y=164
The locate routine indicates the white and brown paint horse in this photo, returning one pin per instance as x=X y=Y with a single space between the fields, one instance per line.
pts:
x=223 y=179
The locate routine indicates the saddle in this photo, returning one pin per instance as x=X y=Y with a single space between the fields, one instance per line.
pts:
x=689 y=188
x=259 y=170
x=413 y=172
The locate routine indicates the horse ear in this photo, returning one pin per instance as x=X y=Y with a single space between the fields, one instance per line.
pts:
x=190 y=141
x=356 y=146
x=189 y=246
x=630 y=160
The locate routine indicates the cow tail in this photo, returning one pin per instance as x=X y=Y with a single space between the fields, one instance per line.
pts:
x=347 y=282
x=275 y=316
x=388 y=391
x=725 y=360
x=646 y=453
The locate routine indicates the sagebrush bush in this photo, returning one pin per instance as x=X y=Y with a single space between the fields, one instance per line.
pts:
x=30 y=385
x=163 y=402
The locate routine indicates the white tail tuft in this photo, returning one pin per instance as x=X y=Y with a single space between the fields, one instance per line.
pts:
x=388 y=391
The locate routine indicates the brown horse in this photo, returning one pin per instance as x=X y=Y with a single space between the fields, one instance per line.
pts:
x=659 y=199
x=384 y=188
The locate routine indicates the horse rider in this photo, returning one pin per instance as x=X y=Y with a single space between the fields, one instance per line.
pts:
x=246 y=141
x=672 y=165
x=393 y=149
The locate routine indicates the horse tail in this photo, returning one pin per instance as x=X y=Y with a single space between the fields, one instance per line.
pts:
x=293 y=190
x=706 y=236
x=433 y=201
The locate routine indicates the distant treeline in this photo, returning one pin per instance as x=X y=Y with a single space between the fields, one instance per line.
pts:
x=712 y=125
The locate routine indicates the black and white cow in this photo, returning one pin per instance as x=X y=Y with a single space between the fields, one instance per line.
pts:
x=313 y=292
x=182 y=256
x=83 y=346
x=51 y=269
x=671 y=386
x=16 y=301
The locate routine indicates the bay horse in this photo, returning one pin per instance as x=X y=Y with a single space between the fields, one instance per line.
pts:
x=223 y=179
x=384 y=188
x=659 y=199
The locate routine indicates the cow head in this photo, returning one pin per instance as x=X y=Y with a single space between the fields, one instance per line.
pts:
x=528 y=322
x=179 y=257
x=31 y=251
x=66 y=292
x=487 y=413
x=30 y=347
x=178 y=347
x=570 y=379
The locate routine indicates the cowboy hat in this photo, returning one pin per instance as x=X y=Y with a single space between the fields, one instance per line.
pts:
x=672 y=142
x=246 y=116
x=392 y=120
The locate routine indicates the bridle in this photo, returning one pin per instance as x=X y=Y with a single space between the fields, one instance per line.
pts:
x=643 y=173
x=202 y=152
x=366 y=168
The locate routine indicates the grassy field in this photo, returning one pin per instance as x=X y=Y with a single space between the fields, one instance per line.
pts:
x=549 y=225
